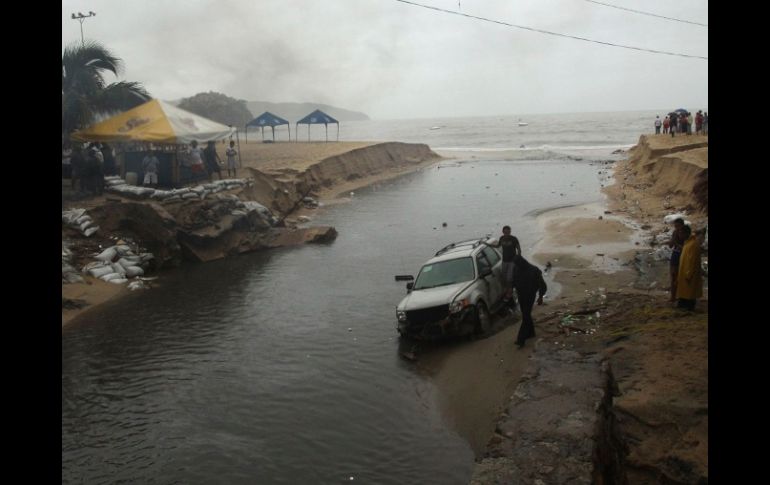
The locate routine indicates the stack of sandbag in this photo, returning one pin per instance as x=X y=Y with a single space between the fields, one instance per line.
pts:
x=68 y=273
x=118 y=263
x=264 y=212
x=119 y=186
x=113 y=181
x=78 y=219
x=130 y=191
x=228 y=184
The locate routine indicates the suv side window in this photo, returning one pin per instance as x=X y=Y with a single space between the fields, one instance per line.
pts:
x=491 y=255
x=482 y=263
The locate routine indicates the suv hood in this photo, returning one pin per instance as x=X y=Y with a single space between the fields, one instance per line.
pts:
x=441 y=295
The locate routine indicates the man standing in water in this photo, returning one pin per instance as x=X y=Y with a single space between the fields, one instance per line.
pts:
x=530 y=285
x=511 y=249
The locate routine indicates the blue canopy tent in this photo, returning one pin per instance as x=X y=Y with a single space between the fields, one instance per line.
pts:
x=317 y=117
x=267 y=119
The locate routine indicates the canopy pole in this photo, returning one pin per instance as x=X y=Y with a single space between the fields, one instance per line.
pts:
x=288 y=125
x=238 y=143
x=175 y=168
x=308 y=132
x=263 y=133
x=246 y=131
x=338 y=132
x=273 y=128
x=326 y=125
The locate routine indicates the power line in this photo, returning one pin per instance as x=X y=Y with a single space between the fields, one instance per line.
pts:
x=550 y=33
x=646 y=13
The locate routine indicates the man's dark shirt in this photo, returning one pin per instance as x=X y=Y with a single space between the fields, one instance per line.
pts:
x=508 y=245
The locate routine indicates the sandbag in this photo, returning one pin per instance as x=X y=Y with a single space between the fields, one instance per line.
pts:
x=111 y=276
x=132 y=271
x=100 y=271
x=87 y=224
x=119 y=281
x=88 y=232
x=122 y=248
x=107 y=255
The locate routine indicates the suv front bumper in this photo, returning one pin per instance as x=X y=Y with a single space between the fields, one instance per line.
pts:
x=455 y=324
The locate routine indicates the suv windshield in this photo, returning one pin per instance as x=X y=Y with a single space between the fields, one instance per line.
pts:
x=444 y=273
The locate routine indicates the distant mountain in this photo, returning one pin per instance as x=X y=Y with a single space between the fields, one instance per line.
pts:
x=294 y=112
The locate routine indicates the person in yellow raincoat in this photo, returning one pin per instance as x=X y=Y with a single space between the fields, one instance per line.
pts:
x=689 y=285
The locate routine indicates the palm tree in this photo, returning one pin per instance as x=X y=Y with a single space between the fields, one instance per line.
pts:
x=84 y=93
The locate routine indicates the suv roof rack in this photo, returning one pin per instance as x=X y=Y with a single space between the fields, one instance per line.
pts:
x=470 y=242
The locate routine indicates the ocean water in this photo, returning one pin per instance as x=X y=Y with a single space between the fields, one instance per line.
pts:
x=546 y=136
x=283 y=366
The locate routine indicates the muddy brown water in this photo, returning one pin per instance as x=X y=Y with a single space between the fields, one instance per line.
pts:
x=283 y=366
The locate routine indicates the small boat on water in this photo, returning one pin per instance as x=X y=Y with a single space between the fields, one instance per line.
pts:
x=435 y=127
x=521 y=123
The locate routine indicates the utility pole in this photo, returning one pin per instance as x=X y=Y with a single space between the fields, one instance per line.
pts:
x=81 y=18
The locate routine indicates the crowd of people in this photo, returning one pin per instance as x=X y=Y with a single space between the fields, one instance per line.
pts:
x=683 y=122
x=86 y=165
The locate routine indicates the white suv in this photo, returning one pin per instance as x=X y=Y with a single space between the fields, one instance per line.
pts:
x=454 y=292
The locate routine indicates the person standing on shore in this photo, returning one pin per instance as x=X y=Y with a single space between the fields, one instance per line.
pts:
x=231 y=154
x=196 y=160
x=689 y=123
x=666 y=124
x=150 y=165
x=674 y=121
x=698 y=122
x=95 y=169
x=690 y=283
x=511 y=249
x=213 y=162
x=658 y=123
x=706 y=123
x=109 y=160
x=676 y=243
x=530 y=286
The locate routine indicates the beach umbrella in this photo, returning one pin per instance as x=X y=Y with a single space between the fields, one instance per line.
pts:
x=155 y=122
x=681 y=111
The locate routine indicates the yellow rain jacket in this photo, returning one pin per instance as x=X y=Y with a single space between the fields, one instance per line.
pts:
x=689 y=284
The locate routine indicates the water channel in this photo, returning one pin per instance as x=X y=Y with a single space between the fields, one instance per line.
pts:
x=283 y=366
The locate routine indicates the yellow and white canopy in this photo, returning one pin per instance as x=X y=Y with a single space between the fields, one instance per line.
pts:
x=155 y=122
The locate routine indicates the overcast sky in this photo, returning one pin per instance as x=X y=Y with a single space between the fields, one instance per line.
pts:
x=392 y=60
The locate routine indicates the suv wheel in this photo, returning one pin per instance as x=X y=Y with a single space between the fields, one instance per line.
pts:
x=483 y=319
